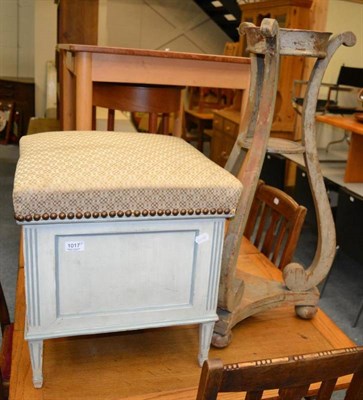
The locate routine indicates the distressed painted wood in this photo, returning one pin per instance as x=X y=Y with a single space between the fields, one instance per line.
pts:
x=85 y=278
x=240 y=297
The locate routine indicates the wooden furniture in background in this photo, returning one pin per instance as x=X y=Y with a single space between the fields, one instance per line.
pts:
x=198 y=114
x=157 y=101
x=77 y=21
x=7 y=113
x=203 y=99
x=232 y=49
x=349 y=80
x=274 y=224
x=7 y=330
x=20 y=91
x=354 y=168
x=292 y=14
x=198 y=122
x=226 y=124
x=160 y=363
x=84 y=65
x=291 y=375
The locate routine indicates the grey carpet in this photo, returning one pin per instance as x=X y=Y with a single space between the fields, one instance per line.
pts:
x=9 y=230
x=343 y=291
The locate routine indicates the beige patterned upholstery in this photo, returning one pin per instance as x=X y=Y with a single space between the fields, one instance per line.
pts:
x=109 y=174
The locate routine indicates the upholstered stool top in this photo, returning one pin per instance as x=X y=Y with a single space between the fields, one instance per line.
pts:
x=66 y=175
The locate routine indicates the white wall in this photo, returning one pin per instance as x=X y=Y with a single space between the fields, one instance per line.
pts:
x=345 y=16
x=159 y=24
x=45 y=39
x=16 y=38
x=342 y=16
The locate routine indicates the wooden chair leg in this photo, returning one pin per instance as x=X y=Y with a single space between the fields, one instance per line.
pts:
x=165 y=124
x=153 y=122
x=93 y=118
x=111 y=120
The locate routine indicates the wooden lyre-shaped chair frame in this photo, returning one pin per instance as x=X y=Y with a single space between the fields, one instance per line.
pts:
x=239 y=298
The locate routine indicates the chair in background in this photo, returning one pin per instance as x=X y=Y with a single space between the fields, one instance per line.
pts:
x=198 y=114
x=349 y=79
x=158 y=101
x=200 y=103
x=292 y=375
x=7 y=329
x=274 y=224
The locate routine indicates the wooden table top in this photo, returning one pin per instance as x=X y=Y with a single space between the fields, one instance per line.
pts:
x=349 y=123
x=161 y=363
x=126 y=51
x=207 y=116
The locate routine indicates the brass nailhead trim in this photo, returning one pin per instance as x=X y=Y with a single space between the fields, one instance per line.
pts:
x=120 y=214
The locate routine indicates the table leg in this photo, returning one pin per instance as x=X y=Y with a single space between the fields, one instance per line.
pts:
x=83 y=70
x=67 y=94
x=354 y=169
x=36 y=358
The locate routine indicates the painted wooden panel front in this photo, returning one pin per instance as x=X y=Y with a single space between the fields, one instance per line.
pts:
x=94 y=277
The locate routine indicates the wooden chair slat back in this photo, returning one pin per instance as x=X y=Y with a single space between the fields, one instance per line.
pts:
x=274 y=224
x=291 y=375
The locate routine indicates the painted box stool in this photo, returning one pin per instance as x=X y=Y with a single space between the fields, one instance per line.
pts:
x=122 y=231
